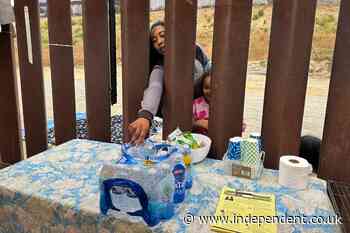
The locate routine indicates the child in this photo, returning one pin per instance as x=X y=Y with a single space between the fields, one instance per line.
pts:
x=201 y=106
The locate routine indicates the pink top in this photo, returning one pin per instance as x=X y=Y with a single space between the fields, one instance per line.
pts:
x=200 y=109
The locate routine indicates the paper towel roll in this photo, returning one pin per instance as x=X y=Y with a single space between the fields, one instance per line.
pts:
x=294 y=172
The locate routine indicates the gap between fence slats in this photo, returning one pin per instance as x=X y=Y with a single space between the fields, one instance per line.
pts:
x=113 y=51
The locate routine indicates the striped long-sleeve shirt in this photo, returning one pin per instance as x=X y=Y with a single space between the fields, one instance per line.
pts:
x=152 y=96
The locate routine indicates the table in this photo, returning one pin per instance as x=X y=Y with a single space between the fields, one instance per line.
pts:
x=57 y=191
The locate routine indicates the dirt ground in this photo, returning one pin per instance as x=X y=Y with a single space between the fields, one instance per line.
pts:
x=314 y=112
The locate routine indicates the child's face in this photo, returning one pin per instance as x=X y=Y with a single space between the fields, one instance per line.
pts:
x=206 y=88
x=158 y=38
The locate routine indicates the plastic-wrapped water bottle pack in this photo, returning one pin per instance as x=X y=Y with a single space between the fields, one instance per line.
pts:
x=148 y=181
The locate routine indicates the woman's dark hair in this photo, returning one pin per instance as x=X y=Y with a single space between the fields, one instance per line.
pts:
x=156 y=24
x=158 y=59
x=310 y=150
x=155 y=57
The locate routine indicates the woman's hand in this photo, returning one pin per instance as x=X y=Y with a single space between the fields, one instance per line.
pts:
x=138 y=130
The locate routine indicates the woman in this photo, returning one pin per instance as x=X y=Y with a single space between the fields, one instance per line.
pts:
x=152 y=98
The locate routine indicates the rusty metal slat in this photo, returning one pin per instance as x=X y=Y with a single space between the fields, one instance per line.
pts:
x=335 y=148
x=287 y=73
x=31 y=72
x=10 y=151
x=96 y=63
x=62 y=69
x=230 y=57
x=135 y=57
x=180 y=20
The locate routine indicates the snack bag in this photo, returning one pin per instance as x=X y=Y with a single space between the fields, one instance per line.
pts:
x=183 y=138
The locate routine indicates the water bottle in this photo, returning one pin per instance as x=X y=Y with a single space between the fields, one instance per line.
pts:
x=179 y=177
x=161 y=204
x=188 y=162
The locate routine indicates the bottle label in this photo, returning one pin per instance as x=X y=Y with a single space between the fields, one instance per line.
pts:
x=179 y=175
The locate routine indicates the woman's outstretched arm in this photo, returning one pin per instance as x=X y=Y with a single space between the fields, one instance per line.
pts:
x=152 y=94
x=149 y=106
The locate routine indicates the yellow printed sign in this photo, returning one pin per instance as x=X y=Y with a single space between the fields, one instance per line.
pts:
x=245 y=212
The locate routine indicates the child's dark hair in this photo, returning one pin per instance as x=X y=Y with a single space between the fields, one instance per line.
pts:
x=198 y=91
x=204 y=76
x=310 y=150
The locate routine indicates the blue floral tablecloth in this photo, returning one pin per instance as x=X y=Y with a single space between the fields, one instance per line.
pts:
x=57 y=191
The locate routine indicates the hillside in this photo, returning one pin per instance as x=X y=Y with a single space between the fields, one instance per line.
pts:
x=323 y=42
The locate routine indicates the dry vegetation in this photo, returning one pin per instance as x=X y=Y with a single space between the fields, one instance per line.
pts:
x=323 y=43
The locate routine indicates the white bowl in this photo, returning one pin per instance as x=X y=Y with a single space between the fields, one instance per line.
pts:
x=201 y=153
